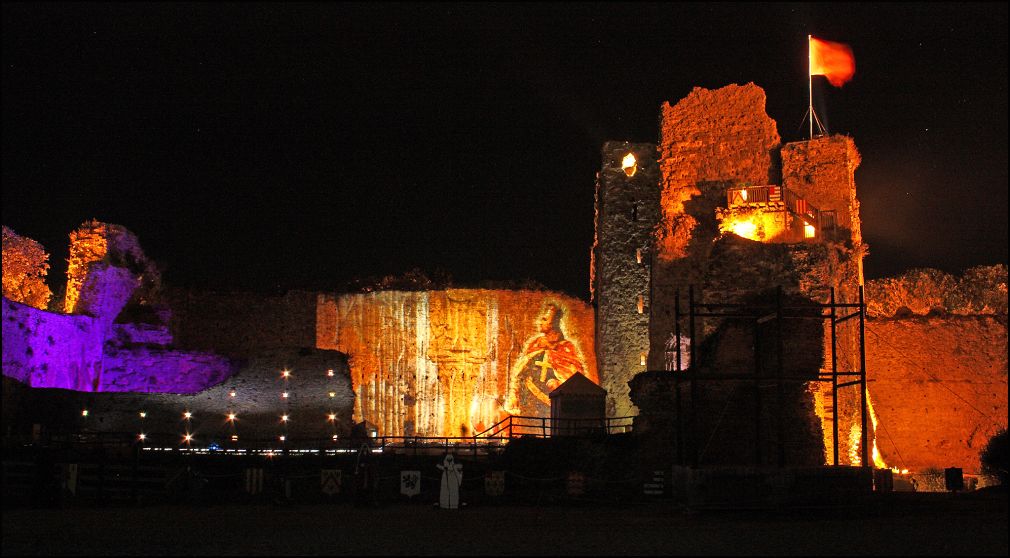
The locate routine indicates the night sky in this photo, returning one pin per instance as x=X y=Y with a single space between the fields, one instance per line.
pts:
x=276 y=146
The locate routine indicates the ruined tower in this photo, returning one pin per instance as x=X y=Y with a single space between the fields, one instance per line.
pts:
x=732 y=213
x=627 y=212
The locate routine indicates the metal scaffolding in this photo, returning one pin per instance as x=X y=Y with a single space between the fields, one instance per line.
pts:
x=836 y=312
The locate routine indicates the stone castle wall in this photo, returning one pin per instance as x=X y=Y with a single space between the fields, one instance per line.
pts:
x=94 y=242
x=710 y=140
x=421 y=362
x=86 y=350
x=258 y=403
x=822 y=171
x=156 y=369
x=47 y=349
x=627 y=212
x=441 y=363
x=85 y=353
x=240 y=324
x=938 y=386
x=117 y=370
x=716 y=139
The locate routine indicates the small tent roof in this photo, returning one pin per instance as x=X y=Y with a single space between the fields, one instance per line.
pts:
x=578 y=385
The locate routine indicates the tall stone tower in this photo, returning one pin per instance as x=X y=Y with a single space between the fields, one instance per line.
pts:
x=723 y=207
x=822 y=171
x=627 y=212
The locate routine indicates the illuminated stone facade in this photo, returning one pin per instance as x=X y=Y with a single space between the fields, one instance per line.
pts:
x=709 y=141
x=88 y=349
x=258 y=404
x=89 y=352
x=95 y=241
x=627 y=212
x=937 y=384
x=443 y=363
x=117 y=370
x=938 y=387
x=713 y=141
x=453 y=362
x=47 y=349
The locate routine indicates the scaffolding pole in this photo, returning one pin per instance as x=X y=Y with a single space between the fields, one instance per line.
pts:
x=760 y=314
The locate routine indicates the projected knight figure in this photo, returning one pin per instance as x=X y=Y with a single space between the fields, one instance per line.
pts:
x=547 y=361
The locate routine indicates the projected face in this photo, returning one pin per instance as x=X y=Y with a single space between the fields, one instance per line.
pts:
x=549 y=319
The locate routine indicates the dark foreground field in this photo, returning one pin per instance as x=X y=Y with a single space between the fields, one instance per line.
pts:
x=937 y=524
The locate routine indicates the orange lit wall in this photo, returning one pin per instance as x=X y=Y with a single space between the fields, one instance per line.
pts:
x=87 y=244
x=822 y=171
x=96 y=241
x=440 y=363
x=710 y=140
x=939 y=388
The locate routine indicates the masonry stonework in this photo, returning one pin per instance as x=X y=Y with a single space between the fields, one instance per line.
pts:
x=86 y=350
x=95 y=241
x=715 y=140
x=443 y=363
x=627 y=213
x=238 y=324
x=938 y=385
x=258 y=403
x=709 y=140
x=447 y=362
x=822 y=170
x=48 y=349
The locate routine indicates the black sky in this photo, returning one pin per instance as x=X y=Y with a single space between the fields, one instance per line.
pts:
x=276 y=146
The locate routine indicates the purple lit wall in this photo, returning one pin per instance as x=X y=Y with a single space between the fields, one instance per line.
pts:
x=318 y=404
x=85 y=353
x=44 y=349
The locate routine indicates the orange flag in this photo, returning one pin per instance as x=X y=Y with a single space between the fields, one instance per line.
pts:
x=831 y=60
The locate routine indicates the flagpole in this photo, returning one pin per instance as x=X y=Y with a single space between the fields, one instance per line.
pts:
x=810 y=87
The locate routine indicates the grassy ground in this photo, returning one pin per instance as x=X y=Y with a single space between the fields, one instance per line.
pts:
x=920 y=524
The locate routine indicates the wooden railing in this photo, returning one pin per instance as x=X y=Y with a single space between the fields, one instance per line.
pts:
x=777 y=198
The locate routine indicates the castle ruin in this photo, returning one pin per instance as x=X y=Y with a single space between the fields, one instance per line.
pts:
x=719 y=205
